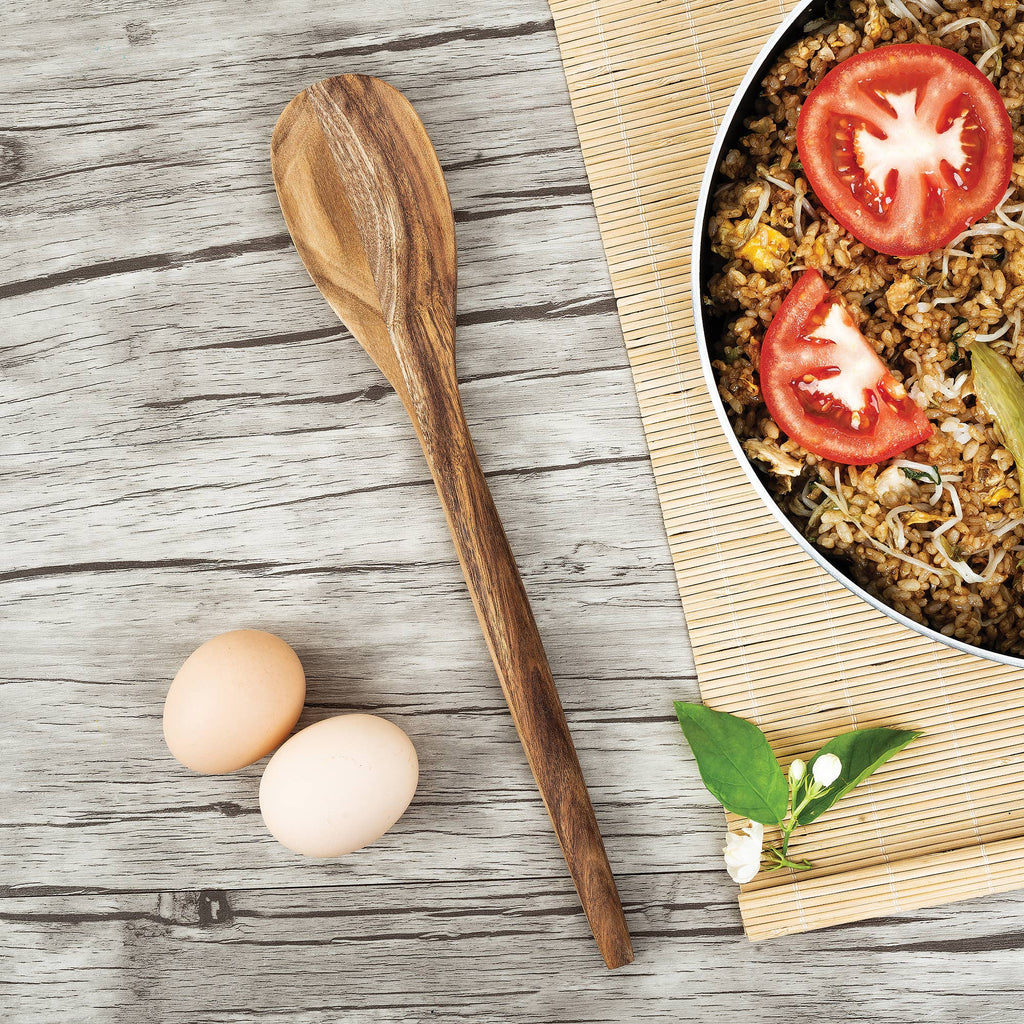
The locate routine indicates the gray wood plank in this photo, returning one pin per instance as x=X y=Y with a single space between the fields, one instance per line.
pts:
x=493 y=952
x=218 y=452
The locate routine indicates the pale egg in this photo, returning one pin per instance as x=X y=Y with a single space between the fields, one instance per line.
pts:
x=338 y=785
x=234 y=700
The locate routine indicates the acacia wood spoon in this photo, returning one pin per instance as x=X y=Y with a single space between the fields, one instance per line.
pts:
x=366 y=205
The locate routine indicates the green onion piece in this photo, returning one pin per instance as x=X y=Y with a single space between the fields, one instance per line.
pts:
x=1000 y=389
x=931 y=476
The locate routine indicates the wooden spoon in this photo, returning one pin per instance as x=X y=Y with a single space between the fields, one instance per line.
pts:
x=366 y=204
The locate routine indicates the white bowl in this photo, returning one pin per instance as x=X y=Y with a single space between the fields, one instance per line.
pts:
x=787 y=32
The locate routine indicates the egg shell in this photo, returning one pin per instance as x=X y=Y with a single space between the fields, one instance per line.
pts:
x=338 y=785
x=234 y=700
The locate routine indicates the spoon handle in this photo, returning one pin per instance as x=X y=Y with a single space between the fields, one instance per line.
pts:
x=503 y=609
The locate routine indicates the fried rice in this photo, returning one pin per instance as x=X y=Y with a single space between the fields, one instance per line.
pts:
x=937 y=533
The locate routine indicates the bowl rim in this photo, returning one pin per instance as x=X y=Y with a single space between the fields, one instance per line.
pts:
x=751 y=80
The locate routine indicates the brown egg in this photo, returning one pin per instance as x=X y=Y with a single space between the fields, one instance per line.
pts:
x=338 y=785
x=234 y=700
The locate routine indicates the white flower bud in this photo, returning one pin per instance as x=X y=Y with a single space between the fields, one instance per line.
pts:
x=796 y=770
x=826 y=770
x=743 y=852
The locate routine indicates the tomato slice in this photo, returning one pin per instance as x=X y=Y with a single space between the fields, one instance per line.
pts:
x=825 y=386
x=906 y=146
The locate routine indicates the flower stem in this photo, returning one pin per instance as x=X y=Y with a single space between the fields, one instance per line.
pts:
x=780 y=860
x=812 y=790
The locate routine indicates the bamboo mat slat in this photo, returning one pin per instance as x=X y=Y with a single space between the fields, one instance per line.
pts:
x=775 y=638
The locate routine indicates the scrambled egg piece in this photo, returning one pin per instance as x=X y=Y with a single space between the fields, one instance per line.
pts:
x=998 y=495
x=900 y=292
x=876 y=23
x=767 y=249
x=921 y=517
x=764 y=451
x=894 y=488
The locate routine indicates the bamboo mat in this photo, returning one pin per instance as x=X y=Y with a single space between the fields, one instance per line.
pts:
x=775 y=638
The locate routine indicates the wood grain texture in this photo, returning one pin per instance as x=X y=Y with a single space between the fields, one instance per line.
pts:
x=419 y=953
x=368 y=209
x=190 y=443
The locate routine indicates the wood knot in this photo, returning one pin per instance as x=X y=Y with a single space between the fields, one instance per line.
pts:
x=229 y=808
x=139 y=33
x=214 y=908
x=12 y=158
x=205 y=908
x=375 y=392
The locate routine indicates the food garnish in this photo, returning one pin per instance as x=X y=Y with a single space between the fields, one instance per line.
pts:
x=1001 y=391
x=739 y=769
x=906 y=146
x=825 y=386
x=929 y=475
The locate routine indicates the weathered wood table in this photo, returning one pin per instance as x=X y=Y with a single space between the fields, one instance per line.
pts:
x=191 y=443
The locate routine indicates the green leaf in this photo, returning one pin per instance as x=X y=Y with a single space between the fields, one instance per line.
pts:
x=930 y=476
x=735 y=763
x=862 y=752
x=1001 y=391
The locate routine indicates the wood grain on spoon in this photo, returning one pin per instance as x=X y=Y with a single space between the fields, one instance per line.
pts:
x=366 y=204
